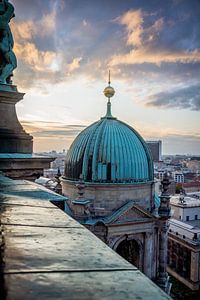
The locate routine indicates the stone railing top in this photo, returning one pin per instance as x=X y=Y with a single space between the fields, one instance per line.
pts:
x=23 y=156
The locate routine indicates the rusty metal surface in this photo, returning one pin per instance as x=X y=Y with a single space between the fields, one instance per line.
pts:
x=48 y=255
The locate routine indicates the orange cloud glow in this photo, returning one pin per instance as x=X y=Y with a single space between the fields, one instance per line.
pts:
x=140 y=56
x=140 y=38
x=38 y=60
x=133 y=21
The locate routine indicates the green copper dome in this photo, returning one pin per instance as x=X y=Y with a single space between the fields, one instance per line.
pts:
x=109 y=151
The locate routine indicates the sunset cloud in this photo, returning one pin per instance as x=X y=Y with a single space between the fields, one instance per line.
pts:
x=25 y=47
x=142 y=39
x=51 y=135
x=75 y=64
x=62 y=42
x=186 y=97
x=54 y=135
x=51 y=129
x=133 y=21
x=37 y=60
x=141 y=56
x=65 y=48
x=26 y=31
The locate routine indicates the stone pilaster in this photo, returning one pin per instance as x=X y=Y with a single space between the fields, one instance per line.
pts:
x=148 y=255
x=163 y=275
x=194 y=271
x=164 y=215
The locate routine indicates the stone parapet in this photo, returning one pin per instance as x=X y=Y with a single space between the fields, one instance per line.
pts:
x=24 y=166
x=48 y=255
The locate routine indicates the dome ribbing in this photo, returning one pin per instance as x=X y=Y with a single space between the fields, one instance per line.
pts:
x=109 y=151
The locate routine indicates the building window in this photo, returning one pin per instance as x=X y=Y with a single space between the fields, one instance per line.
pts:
x=195 y=236
x=180 y=217
x=187 y=218
x=109 y=171
x=196 y=217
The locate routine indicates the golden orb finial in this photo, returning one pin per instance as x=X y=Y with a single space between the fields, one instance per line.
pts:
x=109 y=91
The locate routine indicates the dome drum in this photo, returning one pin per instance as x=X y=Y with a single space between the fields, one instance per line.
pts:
x=106 y=197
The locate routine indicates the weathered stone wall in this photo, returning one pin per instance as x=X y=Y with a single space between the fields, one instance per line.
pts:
x=108 y=197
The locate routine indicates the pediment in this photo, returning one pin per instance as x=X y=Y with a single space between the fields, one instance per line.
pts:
x=131 y=214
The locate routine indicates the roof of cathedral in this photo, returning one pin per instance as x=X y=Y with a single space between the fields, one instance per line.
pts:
x=109 y=151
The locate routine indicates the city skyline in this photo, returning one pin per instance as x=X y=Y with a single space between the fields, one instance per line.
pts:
x=65 y=49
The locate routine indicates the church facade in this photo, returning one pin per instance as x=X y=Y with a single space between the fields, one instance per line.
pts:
x=109 y=182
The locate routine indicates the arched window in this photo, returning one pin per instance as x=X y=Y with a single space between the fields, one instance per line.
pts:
x=130 y=250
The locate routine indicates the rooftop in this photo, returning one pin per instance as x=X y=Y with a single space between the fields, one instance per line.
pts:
x=188 y=201
x=194 y=194
x=26 y=190
x=48 y=255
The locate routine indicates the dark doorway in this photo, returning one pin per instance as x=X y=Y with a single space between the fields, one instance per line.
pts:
x=130 y=250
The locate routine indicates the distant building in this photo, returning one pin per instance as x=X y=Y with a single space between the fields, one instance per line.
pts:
x=194 y=164
x=184 y=241
x=194 y=195
x=156 y=149
x=191 y=187
x=161 y=174
x=178 y=177
x=189 y=176
x=57 y=163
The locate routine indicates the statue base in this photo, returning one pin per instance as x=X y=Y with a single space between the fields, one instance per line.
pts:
x=8 y=87
x=13 y=138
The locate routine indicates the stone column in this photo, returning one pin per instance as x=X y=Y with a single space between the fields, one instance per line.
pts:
x=163 y=236
x=148 y=252
x=164 y=215
x=169 y=245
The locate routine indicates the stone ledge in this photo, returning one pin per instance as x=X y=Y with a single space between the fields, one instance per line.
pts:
x=20 y=165
x=48 y=255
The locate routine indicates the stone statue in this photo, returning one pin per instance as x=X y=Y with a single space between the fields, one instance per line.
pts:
x=8 y=61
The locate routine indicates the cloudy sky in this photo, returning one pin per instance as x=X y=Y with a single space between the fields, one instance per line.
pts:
x=66 y=47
